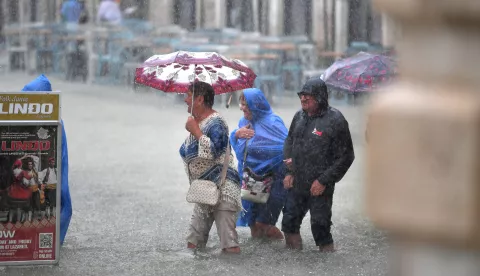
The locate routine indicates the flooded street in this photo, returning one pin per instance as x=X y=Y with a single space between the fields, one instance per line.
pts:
x=128 y=188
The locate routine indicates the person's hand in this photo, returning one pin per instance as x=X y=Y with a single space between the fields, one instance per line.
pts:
x=192 y=127
x=317 y=188
x=288 y=162
x=244 y=132
x=288 y=182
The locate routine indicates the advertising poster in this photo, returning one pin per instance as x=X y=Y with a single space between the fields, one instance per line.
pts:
x=29 y=178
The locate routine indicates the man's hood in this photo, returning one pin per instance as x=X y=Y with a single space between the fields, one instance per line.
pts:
x=41 y=83
x=257 y=103
x=318 y=89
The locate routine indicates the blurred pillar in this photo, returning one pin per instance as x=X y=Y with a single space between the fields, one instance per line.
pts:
x=187 y=13
x=214 y=12
x=263 y=16
x=322 y=23
x=161 y=12
x=363 y=13
x=389 y=31
x=3 y=19
x=3 y=13
x=376 y=21
x=275 y=17
x=318 y=31
x=220 y=14
x=22 y=18
x=255 y=15
x=298 y=19
x=341 y=25
x=91 y=10
x=422 y=183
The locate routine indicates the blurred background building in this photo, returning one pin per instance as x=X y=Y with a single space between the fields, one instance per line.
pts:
x=331 y=24
x=284 y=41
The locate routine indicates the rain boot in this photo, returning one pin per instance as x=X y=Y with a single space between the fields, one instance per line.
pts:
x=231 y=250
x=268 y=231
x=329 y=248
x=293 y=241
x=255 y=231
x=273 y=233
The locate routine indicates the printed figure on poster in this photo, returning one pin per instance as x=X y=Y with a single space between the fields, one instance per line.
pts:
x=28 y=167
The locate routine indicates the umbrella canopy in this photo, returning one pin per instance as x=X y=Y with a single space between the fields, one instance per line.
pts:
x=176 y=71
x=363 y=72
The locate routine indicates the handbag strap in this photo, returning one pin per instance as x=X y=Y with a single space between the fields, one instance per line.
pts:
x=226 y=160
x=245 y=153
x=223 y=174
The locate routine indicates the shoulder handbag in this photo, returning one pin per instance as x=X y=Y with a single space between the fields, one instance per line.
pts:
x=206 y=191
x=255 y=188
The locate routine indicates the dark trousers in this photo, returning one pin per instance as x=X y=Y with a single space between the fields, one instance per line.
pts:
x=51 y=197
x=297 y=205
x=35 y=201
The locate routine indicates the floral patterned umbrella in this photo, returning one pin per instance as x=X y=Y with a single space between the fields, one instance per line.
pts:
x=175 y=72
x=363 y=72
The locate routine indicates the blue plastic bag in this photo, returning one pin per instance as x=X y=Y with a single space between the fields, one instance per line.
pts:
x=41 y=83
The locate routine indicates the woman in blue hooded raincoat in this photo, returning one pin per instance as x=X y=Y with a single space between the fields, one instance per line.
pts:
x=264 y=134
x=41 y=83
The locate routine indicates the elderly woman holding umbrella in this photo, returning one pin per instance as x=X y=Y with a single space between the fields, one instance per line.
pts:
x=203 y=153
x=206 y=152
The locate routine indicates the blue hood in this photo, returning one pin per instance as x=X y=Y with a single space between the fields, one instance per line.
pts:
x=257 y=103
x=265 y=149
x=41 y=83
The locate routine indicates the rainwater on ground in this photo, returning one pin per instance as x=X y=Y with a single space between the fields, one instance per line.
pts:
x=128 y=188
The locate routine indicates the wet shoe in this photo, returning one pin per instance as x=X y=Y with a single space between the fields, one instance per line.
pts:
x=293 y=241
x=260 y=230
x=329 y=248
x=273 y=233
x=232 y=250
x=267 y=231
x=255 y=231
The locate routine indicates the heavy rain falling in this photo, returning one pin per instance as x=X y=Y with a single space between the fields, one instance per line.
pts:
x=291 y=79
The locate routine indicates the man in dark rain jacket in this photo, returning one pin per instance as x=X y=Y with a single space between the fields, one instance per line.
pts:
x=318 y=152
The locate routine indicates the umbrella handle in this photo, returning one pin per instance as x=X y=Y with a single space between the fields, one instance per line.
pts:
x=193 y=88
x=193 y=96
x=229 y=100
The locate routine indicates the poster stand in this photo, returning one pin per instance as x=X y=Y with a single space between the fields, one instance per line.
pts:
x=30 y=178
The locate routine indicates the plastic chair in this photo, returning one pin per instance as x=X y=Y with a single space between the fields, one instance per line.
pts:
x=309 y=60
x=270 y=72
x=114 y=58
